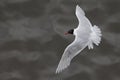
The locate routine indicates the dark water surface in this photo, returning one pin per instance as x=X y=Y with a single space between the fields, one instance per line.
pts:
x=32 y=40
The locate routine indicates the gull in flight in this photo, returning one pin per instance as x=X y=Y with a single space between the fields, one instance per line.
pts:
x=85 y=35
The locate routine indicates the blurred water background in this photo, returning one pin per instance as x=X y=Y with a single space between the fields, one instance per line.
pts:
x=32 y=40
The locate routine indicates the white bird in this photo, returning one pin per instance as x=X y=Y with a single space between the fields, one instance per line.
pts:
x=85 y=35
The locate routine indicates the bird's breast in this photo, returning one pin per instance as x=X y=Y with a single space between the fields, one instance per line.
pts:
x=82 y=33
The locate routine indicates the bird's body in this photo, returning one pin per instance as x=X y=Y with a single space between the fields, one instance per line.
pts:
x=85 y=35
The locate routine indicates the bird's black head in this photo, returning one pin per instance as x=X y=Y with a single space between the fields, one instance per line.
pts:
x=71 y=31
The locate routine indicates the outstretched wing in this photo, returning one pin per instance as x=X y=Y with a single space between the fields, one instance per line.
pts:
x=71 y=51
x=86 y=28
x=83 y=20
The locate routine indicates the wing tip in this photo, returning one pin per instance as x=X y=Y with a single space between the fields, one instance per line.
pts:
x=60 y=69
x=57 y=72
x=79 y=10
x=77 y=6
x=62 y=66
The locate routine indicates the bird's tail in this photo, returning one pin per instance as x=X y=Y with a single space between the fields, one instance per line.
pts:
x=95 y=37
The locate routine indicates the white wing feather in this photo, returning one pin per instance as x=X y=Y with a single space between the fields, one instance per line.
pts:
x=79 y=11
x=83 y=20
x=71 y=51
